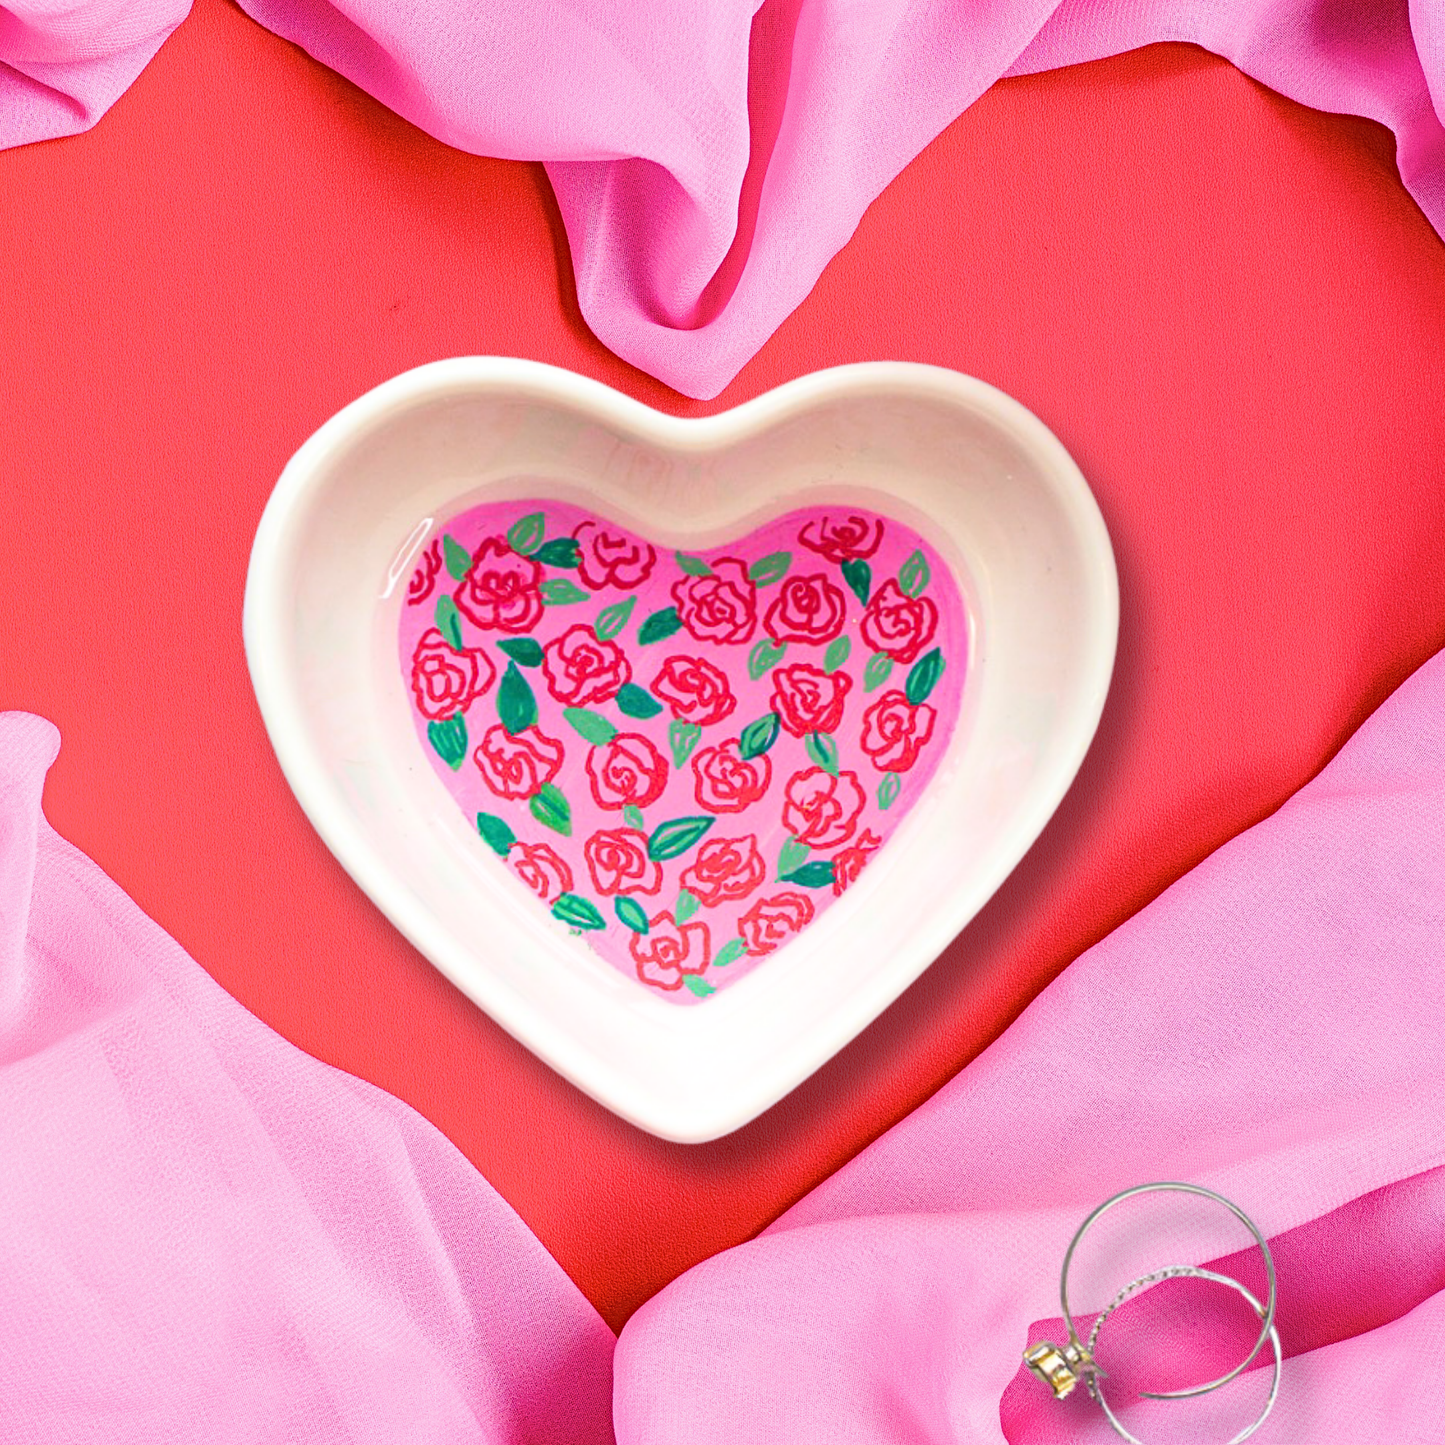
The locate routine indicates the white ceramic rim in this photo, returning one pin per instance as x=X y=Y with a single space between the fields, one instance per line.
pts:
x=647 y=1102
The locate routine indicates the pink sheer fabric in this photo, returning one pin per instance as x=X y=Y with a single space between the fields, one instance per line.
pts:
x=1272 y=1027
x=710 y=158
x=207 y=1235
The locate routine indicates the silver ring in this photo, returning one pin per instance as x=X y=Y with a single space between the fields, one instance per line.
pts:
x=1063 y=1367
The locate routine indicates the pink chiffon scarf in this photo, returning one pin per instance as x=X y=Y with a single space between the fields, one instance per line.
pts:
x=710 y=158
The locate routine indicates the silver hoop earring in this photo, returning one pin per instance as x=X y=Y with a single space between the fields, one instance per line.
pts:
x=1063 y=1367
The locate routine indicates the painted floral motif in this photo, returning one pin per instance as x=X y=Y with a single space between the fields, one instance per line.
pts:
x=446 y=680
x=686 y=757
x=720 y=607
x=539 y=867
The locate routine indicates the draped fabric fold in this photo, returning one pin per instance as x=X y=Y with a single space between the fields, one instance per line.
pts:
x=709 y=159
x=1272 y=1027
x=207 y=1235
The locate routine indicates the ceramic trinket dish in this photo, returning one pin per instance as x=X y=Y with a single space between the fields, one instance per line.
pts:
x=681 y=746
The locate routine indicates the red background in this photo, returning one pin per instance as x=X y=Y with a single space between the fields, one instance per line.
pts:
x=1225 y=305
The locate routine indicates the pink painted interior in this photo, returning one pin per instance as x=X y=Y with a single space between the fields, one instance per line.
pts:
x=701 y=676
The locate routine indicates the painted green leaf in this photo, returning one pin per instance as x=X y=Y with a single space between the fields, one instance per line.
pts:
x=578 y=911
x=675 y=837
x=522 y=649
x=459 y=560
x=859 y=576
x=772 y=568
x=812 y=875
x=632 y=816
x=631 y=913
x=914 y=574
x=551 y=809
x=765 y=654
x=559 y=552
x=687 y=905
x=637 y=701
x=592 y=725
x=682 y=739
x=693 y=566
x=923 y=677
x=758 y=736
x=495 y=833
x=611 y=620
x=449 y=738
x=823 y=751
x=888 y=790
x=730 y=952
x=837 y=653
x=516 y=702
x=558 y=592
x=876 y=673
x=526 y=533
x=698 y=985
x=792 y=856
x=659 y=625
x=449 y=621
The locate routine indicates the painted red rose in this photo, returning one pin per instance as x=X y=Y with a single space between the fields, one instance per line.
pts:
x=848 y=864
x=695 y=690
x=424 y=579
x=807 y=609
x=821 y=810
x=895 y=730
x=516 y=767
x=445 y=681
x=725 y=782
x=840 y=539
x=581 y=669
x=546 y=874
x=668 y=952
x=618 y=862
x=626 y=771
x=771 y=922
x=722 y=607
x=501 y=591
x=611 y=559
x=809 y=700
x=724 y=870
x=897 y=624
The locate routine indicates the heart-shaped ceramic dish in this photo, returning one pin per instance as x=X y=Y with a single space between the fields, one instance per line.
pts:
x=957 y=475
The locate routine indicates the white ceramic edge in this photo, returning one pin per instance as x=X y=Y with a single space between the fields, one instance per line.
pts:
x=265 y=624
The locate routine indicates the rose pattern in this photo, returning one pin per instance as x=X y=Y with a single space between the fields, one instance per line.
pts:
x=809 y=700
x=726 y=869
x=608 y=558
x=627 y=772
x=685 y=757
x=808 y=610
x=726 y=782
x=501 y=591
x=695 y=690
x=517 y=767
x=771 y=922
x=848 y=864
x=821 y=809
x=721 y=607
x=618 y=862
x=843 y=539
x=581 y=670
x=446 y=680
x=424 y=579
x=897 y=624
x=895 y=731
x=539 y=867
x=669 y=951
